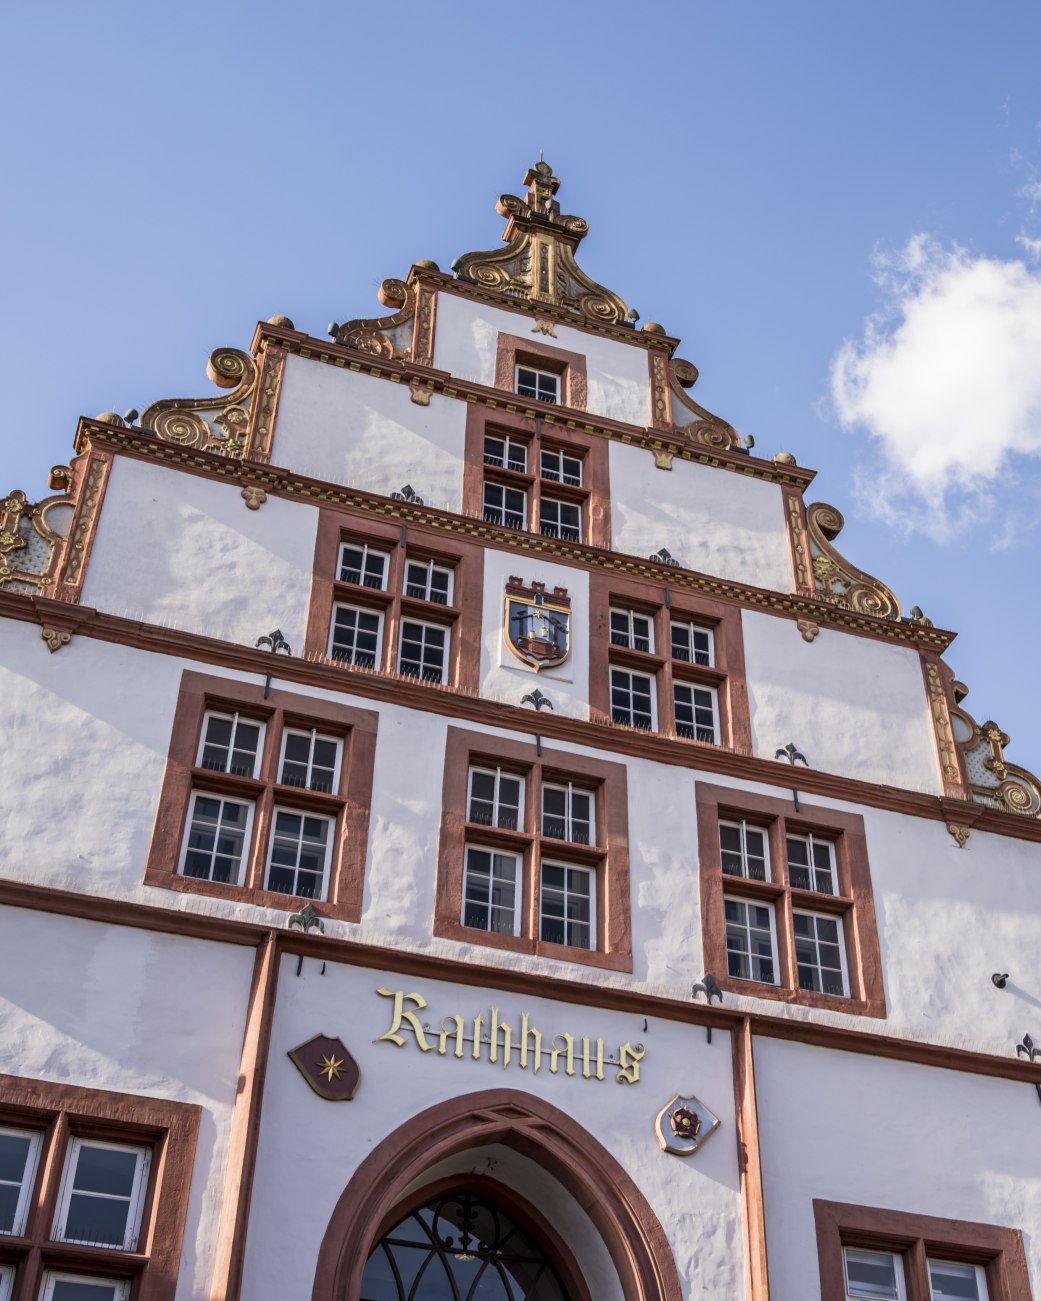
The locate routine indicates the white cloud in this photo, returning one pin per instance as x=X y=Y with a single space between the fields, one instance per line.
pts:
x=947 y=381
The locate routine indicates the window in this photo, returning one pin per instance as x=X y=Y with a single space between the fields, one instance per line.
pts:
x=632 y=699
x=691 y=644
x=356 y=636
x=364 y=566
x=567 y=813
x=231 y=744
x=695 y=712
x=533 y=854
x=541 y=384
x=19 y=1153
x=506 y=453
x=559 y=467
x=93 y=1191
x=421 y=574
x=490 y=891
x=560 y=519
x=867 y=1254
x=631 y=630
x=425 y=581
x=766 y=925
x=567 y=900
x=424 y=650
x=687 y=670
x=506 y=506
x=101 y=1195
x=496 y=799
x=293 y=826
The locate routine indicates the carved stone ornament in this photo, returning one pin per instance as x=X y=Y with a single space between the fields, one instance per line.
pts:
x=253 y=495
x=32 y=534
x=55 y=638
x=538 y=264
x=808 y=628
x=992 y=779
x=212 y=424
x=684 y=1125
x=328 y=1067
x=835 y=579
x=383 y=336
x=537 y=625
x=960 y=833
x=420 y=393
x=692 y=419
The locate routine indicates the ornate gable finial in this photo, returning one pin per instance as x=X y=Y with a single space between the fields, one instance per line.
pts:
x=538 y=264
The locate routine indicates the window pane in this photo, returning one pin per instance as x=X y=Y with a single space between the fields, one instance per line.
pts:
x=299 y=846
x=695 y=712
x=105 y=1170
x=360 y=565
x=216 y=839
x=954 y=1281
x=423 y=651
x=17 y=1166
x=355 y=637
x=83 y=1289
x=872 y=1274
x=566 y=905
x=489 y=891
x=749 y=941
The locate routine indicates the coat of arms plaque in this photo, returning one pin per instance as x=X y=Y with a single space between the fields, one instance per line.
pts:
x=537 y=623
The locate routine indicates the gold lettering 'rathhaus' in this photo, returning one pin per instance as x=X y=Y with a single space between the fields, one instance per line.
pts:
x=501 y=1044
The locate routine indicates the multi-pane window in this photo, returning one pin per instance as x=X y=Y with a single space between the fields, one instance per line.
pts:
x=309 y=760
x=490 y=882
x=423 y=651
x=364 y=566
x=560 y=467
x=506 y=506
x=567 y=813
x=356 y=635
x=879 y=1276
x=19 y=1153
x=811 y=864
x=819 y=945
x=540 y=384
x=750 y=941
x=506 y=453
x=743 y=850
x=299 y=857
x=6 y=1282
x=560 y=519
x=427 y=581
x=695 y=712
x=217 y=838
x=691 y=644
x=632 y=699
x=82 y=1287
x=496 y=799
x=566 y=903
x=631 y=630
x=102 y=1194
x=230 y=743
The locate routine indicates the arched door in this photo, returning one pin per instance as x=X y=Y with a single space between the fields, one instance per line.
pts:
x=460 y=1247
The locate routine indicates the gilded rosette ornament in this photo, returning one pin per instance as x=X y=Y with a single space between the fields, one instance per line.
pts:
x=684 y=1125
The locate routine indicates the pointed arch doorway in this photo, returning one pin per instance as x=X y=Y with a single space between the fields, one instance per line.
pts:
x=617 y=1230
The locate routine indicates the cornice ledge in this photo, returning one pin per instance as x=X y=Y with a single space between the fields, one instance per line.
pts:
x=315 y=491
x=581 y=991
x=439 y=381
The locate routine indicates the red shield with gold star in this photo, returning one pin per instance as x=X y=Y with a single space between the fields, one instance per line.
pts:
x=328 y=1067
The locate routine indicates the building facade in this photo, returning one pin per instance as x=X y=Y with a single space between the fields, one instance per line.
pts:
x=469 y=833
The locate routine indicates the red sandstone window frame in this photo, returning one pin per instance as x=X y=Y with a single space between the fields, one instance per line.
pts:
x=401 y=543
x=592 y=497
x=347 y=806
x=725 y=674
x=916 y=1239
x=854 y=902
x=61 y=1113
x=609 y=858
x=512 y=350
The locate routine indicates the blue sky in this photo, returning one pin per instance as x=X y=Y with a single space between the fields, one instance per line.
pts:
x=836 y=206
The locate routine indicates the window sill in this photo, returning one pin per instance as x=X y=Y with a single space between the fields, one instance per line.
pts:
x=801 y=997
x=451 y=930
x=259 y=898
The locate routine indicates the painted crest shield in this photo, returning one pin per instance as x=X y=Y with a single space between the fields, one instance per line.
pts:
x=684 y=1124
x=328 y=1067
x=537 y=623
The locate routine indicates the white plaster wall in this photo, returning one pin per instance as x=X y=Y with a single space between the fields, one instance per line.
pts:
x=712 y=520
x=617 y=373
x=298 y=1181
x=185 y=551
x=505 y=677
x=891 y=1135
x=112 y=1007
x=852 y=705
x=346 y=427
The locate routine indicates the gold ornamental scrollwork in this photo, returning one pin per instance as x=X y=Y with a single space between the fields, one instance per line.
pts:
x=692 y=419
x=994 y=781
x=836 y=579
x=387 y=337
x=32 y=534
x=538 y=264
x=212 y=424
